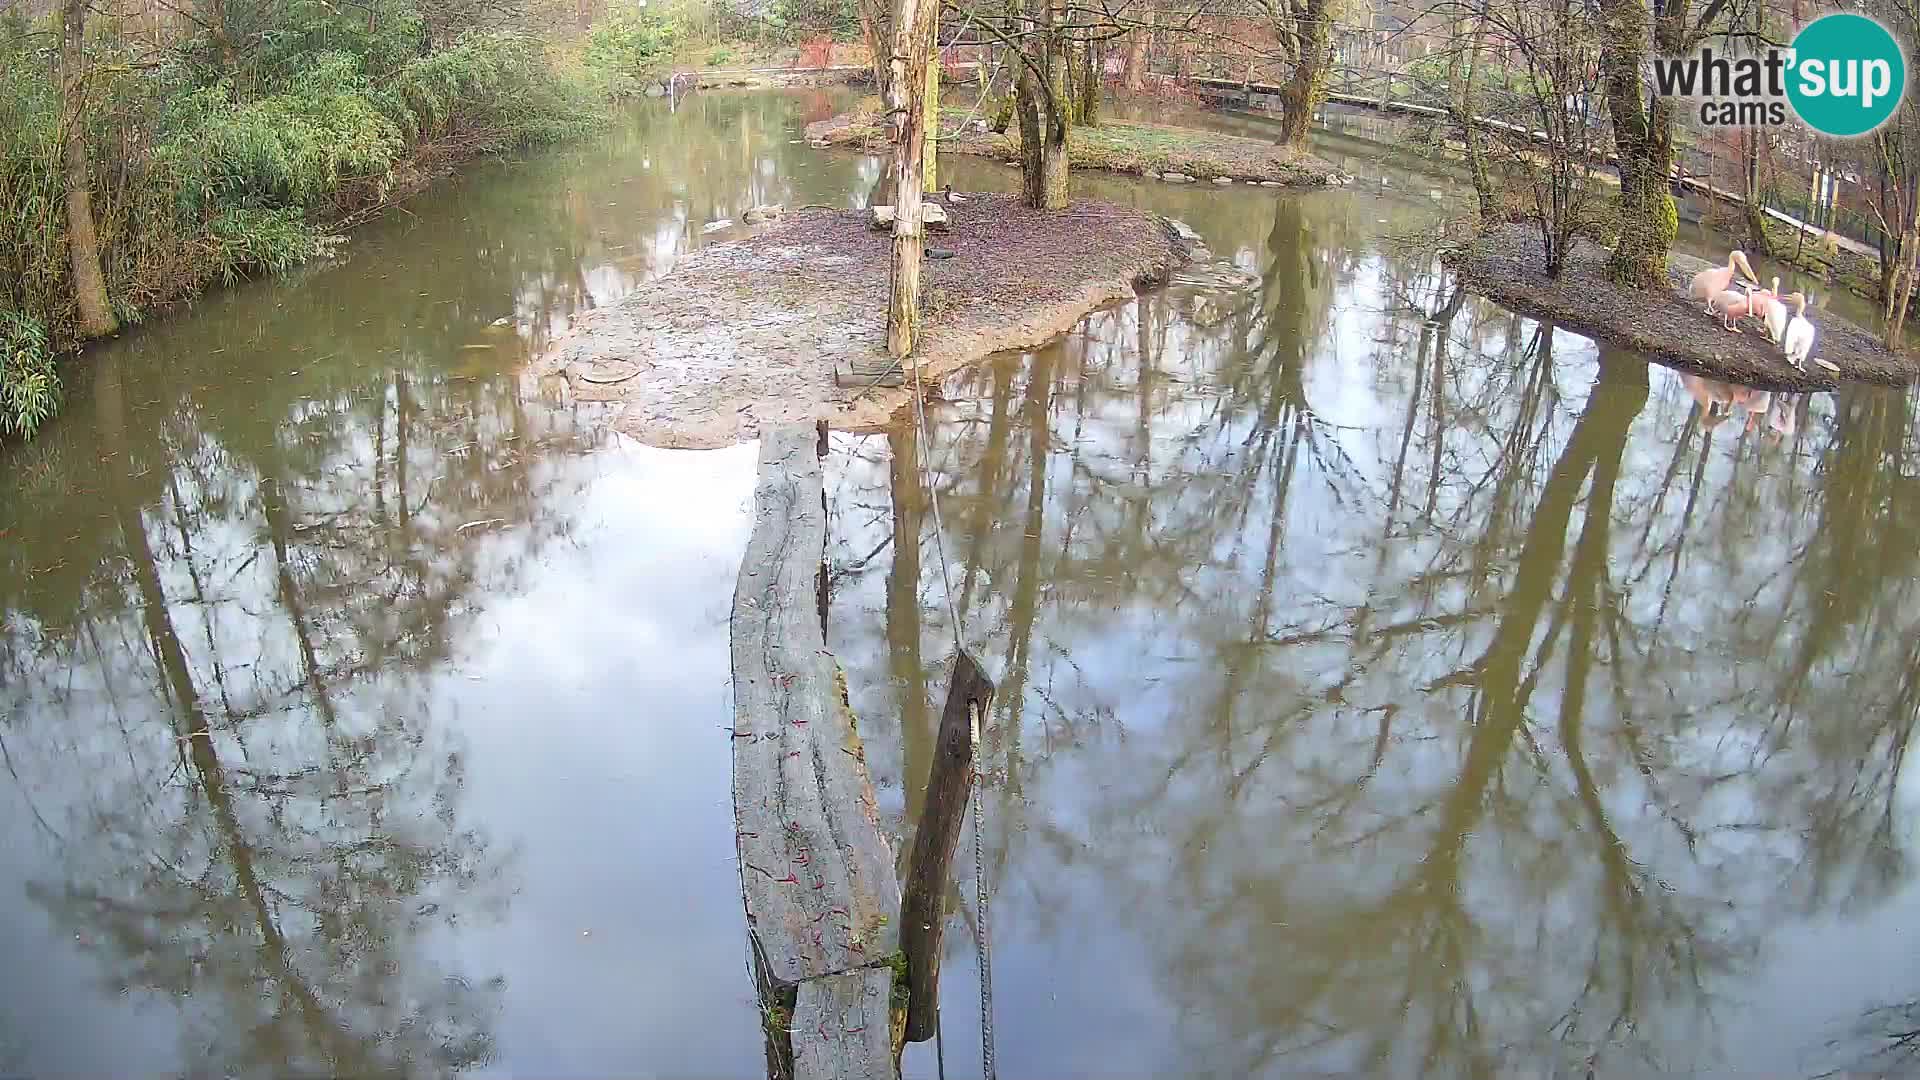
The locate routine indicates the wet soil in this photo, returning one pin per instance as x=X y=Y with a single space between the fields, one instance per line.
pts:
x=1505 y=264
x=1114 y=146
x=750 y=332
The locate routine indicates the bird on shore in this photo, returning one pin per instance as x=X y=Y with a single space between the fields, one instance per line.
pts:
x=1732 y=305
x=1708 y=284
x=1761 y=306
x=1798 y=340
x=952 y=195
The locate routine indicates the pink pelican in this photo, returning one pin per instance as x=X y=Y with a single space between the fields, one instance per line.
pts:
x=1798 y=340
x=1732 y=305
x=1708 y=284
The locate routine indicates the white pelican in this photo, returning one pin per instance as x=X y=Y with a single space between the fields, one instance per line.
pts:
x=1708 y=284
x=1762 y=306
x=1798 y=339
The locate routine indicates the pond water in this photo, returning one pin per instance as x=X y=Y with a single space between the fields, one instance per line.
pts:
x=1389 y=684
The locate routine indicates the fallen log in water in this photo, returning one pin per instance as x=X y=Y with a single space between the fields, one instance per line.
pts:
x=816 y=871
x=923 y=912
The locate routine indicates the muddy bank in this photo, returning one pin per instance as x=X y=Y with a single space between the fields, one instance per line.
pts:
x=1182 y=155
x=1504 y=263
x=767 y=78
x=750 y=332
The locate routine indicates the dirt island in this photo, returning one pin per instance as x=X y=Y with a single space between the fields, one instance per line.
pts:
x=751 y=332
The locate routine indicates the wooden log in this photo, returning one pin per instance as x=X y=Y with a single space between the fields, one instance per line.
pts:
x=923 y=916
x=815 y=868
x=842 y=1029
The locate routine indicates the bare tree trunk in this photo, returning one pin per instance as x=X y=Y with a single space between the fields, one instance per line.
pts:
x=1053 y=151
x=1306 y=84
x=1755 y=209
x=930 y=182
x=913 y=24
x=1643 y=139
x=1900 y=278
x=1138 y=41
x=1090 y=85
x=876 y=33
x=83 y=241
x=1463 y=105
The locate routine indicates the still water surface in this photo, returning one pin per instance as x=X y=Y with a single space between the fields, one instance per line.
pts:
x=1389 y=684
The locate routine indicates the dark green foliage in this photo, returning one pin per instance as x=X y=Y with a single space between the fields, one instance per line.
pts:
x=29 y=387
x=630 y=48
x=232 y=152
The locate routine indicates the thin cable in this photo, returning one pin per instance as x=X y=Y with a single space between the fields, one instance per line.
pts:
x=980 y=910
x=933 y=499
x=939 y=1049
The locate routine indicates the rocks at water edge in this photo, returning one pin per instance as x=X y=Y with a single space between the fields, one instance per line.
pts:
x=1223 y=179
x=761 y=215
x=1176 y=178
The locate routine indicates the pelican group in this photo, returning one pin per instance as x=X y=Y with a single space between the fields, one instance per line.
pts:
x=1709 y=284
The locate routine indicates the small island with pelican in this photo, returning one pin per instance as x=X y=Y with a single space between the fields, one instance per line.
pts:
x=1711 y=320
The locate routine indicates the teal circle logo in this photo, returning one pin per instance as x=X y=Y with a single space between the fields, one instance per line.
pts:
x=1847 y=75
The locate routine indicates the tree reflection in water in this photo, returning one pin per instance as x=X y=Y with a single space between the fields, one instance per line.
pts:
x=1411 y=687
x=221 y=723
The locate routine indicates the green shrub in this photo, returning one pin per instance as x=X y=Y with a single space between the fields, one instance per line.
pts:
x=494 y=92
x=209 y=162
x=29 y=385
x=718 y=55
x=630 y=48
x=288 y=150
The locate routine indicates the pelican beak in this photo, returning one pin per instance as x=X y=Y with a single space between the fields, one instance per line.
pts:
x=1747 y=269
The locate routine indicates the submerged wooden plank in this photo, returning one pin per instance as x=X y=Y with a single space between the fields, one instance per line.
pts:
x=842 y=1027
x=923 y=914
x=815 y=867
